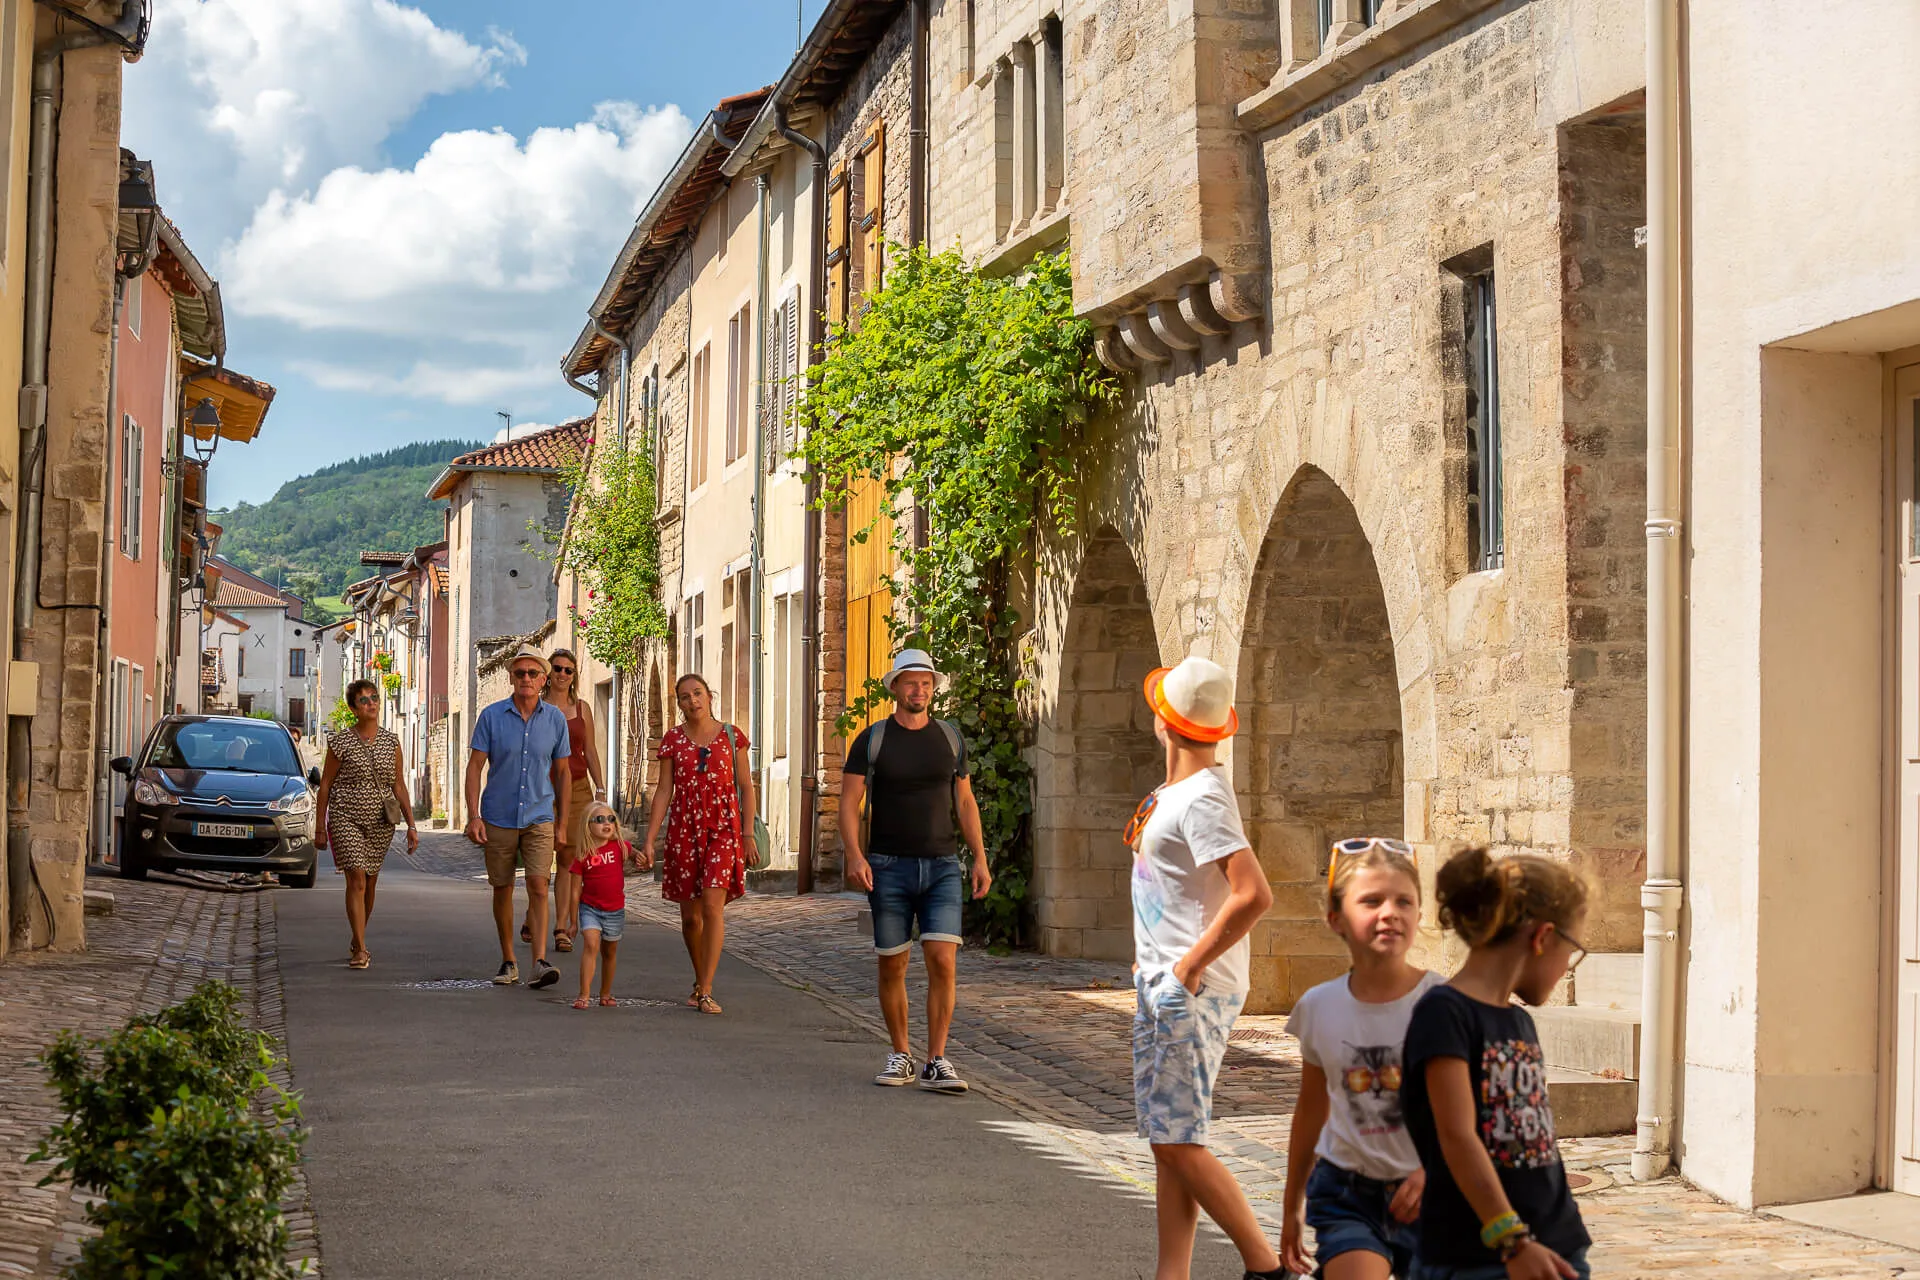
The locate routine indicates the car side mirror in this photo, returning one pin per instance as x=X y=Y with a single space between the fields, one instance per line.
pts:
x=313 y=777
x=121 y=765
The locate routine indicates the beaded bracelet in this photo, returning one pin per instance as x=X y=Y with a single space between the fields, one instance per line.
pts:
x=1513 y=1244
x=1496 y=1230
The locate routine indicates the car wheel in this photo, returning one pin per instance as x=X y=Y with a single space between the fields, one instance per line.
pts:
x=131 y=866
x=302 y=880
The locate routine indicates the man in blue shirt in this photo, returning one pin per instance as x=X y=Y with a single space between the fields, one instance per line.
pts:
x=521 y=745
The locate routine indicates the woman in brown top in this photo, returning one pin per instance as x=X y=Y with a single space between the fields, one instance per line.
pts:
x=363 y=770
x=589 y=784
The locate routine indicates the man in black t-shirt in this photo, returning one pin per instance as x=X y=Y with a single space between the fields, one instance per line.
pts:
x=910 y=771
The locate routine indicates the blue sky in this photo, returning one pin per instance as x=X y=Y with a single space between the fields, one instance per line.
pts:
x=409 y=206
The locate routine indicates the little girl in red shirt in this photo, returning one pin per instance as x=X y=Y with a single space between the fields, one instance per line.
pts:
x=603 y=898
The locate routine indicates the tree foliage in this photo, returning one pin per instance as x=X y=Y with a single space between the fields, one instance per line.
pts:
x=612 y=547
x=966 y=395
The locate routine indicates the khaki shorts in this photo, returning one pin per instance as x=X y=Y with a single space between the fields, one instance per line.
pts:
x=510 y=847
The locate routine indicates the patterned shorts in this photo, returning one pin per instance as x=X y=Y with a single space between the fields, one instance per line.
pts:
x=1179 y=1040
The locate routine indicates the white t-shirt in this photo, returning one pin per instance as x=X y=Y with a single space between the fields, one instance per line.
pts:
x=1176 y=890
x=1359 y=1047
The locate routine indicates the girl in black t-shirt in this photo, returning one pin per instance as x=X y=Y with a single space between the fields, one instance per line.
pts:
x=1497 y=1202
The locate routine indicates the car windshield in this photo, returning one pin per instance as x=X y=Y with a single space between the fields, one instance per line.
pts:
x=223 y=745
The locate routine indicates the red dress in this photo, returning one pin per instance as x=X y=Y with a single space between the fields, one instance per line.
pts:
x=703 y=823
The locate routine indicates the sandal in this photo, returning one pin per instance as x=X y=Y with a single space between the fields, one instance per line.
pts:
x=608 y=1002
x=693 y=998
x=708 y=1004
x=526 y=934
x=359 y=960
x=582 y=1003
x=562 y=940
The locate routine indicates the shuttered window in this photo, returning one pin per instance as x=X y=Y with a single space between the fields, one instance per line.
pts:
x=837 y=247
x=873 y=190
x=783 y=380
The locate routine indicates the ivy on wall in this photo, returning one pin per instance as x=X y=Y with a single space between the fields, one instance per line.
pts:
x=613 y=549
x=965 y=396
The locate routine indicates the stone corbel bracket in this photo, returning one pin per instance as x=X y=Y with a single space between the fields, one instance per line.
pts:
x=1149 y=335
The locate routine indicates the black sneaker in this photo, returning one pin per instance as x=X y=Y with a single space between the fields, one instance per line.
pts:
x=899 y=1070
x=508 y=975
x=544 y=975
x=940 y=1076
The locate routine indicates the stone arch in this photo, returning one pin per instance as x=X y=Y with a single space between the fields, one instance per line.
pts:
x=1320 y=755
x=1095 y=757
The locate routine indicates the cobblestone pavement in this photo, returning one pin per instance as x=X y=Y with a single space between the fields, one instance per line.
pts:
x=162 y=940
x=1050 y=1038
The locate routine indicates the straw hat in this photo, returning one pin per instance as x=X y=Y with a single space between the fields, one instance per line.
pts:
x=1195 y=699
x=914 y=660
x=528 y=651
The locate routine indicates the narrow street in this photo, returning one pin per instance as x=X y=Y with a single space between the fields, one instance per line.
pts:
x=462 y=1129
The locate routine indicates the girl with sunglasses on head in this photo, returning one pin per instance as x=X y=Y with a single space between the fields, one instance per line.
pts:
x=589 y=785
x=600 y=887
x=1352 y=1172
x=707 y=786
x=1497 y=1205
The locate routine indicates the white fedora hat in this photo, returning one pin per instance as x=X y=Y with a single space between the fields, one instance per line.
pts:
x=1195 y=699
x=914 y=660
x=528 y=651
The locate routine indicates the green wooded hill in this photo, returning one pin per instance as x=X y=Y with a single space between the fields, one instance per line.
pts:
x=313 y=530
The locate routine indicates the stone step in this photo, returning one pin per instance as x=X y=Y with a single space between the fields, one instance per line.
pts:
x=1603 y=1042
x=1608 y=981
x=1590 y=1106
x=98 y=902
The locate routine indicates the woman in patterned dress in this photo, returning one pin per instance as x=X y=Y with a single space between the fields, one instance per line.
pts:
x=705 y=866
x=363 y=768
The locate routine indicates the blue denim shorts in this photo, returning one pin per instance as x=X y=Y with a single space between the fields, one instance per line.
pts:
x=1493 y=1271
x=611 y=924
x=1179 y=1041
x=929 y=890
x=1348 y=1212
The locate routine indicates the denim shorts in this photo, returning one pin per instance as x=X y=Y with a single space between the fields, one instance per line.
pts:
x=1179 y=1041
x=1492 y=1271
x=905 y=890
x=611 y=924
x=1348 y=1212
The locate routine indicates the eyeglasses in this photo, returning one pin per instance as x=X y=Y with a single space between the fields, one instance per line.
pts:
x=367 y=700
x=1138 y=822
x=598 y=820
x=562 y=671
x=1579 y=949
x=1365 y=1079
x=1360 y=844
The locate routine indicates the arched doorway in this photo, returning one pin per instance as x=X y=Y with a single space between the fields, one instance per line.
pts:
x=1097 y=756
x=1319 y=753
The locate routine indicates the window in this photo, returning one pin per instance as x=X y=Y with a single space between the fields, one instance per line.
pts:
x=702 y=392
x=856 y=199
x=693 y=655
x=783 y=380
x=1480 y=349
x=297 y=713
x=119 y=693
x=133 y=486
x=1365 y=14
x=778 y=675
x=739 y=382
x=240 y=661
x=135 y=291
x=297 y=663
x=246 y=704
x=724 y=689
x=1029 y=130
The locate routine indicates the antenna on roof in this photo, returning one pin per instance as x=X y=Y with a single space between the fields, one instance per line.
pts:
x=799 y=24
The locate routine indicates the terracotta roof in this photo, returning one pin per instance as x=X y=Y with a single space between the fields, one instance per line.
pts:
x=538 y=453
x=383 y=557
x=438 y=574
x=231 y=595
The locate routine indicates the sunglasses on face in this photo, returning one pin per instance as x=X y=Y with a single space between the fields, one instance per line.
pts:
x=367 y=700
x=563 y=671
x=528 y=675
x=597 y=821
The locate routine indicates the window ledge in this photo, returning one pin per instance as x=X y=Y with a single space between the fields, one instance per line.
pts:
x=1017 y=251
x=667 y=517
x=1396 y=33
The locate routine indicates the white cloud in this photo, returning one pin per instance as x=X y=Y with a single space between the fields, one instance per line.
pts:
x=485 y=240
x=286 y=90
x=474 y=383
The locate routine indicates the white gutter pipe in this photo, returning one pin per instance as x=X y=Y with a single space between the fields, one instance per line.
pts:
x=757 y=549
x=617 y=730
x=1661 y=895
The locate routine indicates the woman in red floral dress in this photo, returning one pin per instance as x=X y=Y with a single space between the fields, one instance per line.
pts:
x=705 y=864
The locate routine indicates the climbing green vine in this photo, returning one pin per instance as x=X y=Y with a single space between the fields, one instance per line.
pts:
x=613 y=549
x=964 y=394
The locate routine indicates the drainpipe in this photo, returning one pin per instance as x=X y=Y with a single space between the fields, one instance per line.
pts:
x=917 y=181
x=33 y=416
x=102 y=721
x=617 y=731
x=810 y=552
x=1661 y=894
x=757 y=549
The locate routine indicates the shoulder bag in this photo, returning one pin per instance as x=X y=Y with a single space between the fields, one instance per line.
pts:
x=762 y=842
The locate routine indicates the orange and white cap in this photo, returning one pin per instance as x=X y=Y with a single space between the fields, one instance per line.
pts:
x=1195 y=699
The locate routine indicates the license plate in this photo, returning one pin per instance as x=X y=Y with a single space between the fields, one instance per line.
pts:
x=231 y=830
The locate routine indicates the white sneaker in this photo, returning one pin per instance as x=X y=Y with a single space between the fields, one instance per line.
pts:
x=940 y=1076
x=508 y=975
x=900 y=1070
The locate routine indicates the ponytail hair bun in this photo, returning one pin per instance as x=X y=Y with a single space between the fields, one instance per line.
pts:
x=1486 y=901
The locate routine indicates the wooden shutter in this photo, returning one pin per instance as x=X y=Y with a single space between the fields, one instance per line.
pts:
x=774 y=396
x=873 y=238
x=869 y=588
x=790 y=425
x=837 y=247
x=139 y=478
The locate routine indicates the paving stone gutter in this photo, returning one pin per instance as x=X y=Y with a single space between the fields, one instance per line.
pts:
x=160 y=940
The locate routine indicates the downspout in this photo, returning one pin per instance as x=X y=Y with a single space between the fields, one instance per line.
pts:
x=1661 y=894
x=33 y=416
x=109 y=551
x=810 y=537
x=917 y=181
x=617 y=731
x=757 y=549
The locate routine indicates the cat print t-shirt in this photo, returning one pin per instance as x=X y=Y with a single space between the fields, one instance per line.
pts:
x=1508 y=1074
x=1179 y=885
x=1358 y=1045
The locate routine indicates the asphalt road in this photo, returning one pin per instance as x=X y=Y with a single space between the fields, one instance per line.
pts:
x=482 y=1131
